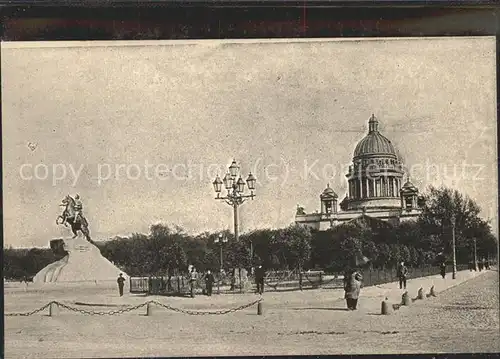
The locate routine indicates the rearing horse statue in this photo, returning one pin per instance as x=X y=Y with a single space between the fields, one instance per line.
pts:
x=68 y=216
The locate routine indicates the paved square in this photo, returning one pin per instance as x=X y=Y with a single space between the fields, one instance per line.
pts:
x=462 y=318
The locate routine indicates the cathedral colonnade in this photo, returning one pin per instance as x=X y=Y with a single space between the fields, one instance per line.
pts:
x=360 y=188
x=375 y=187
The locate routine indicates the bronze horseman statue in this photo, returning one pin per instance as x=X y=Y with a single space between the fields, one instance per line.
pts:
x=73 y=214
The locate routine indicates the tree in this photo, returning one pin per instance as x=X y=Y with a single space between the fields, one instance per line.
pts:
x=396 y=254
x=26 y=263
x=385 y=256
x=167 y=249
x=442 y=204
x=298 y=245
x=350 y=250
x=261 y=240
x=324 y=249
x=406 y=233
x=370 y=250
x=415 y=259
x=277 y=250
x=444 y=207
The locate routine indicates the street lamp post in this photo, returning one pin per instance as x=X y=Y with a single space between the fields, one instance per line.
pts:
x=454 y=273
x=235 y=192
x=475 y=254
x=221 y=240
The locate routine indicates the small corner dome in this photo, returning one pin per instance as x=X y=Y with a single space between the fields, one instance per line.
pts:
x=409 y=187
x=328 y=193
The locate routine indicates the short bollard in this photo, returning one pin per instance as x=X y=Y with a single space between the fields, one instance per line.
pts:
x=149 y=309
x=53 y=309
x=386 y=308
x=259 y=309
x=420 y=294
x=406 y=299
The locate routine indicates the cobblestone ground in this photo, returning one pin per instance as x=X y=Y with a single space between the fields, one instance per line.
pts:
x=464 y=318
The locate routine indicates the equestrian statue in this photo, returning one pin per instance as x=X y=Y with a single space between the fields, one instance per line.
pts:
x=73 y=215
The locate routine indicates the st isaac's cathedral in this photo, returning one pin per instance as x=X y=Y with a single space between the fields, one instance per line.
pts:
x=376 y=189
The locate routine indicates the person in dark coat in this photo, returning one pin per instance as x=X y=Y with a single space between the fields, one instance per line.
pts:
x=121 y=284
x=192 y=280
x=471 y=265
x=260 y=274
x=483 y=263
x=209 y=282
x=442 y=266
x=347 y=284
x=352 y=288
x=402 y=275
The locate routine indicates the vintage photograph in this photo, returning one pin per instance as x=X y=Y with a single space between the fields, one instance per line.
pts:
x=250 y=197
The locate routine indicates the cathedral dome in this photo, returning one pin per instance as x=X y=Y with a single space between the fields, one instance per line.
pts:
x=374 y=142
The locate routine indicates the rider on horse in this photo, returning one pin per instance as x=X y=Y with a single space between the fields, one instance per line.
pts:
x=78 y=209
x=73 y=215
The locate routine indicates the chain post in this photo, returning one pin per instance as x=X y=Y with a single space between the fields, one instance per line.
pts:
x=53 y=309
x=149 y=309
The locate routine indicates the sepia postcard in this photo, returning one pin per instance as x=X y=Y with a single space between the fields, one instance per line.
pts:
x=250 y=197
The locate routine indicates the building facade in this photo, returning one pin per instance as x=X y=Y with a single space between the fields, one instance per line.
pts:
x=376 y=187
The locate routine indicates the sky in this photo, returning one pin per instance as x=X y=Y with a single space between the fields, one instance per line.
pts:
x=140 y=129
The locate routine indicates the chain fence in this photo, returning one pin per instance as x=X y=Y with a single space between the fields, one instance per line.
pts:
x=27 y=314
x=217 y=312
x=135 y=307
x=111 y=312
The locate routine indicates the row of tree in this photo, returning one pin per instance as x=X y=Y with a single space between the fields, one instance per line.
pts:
x=166 y=250
x=23 y=264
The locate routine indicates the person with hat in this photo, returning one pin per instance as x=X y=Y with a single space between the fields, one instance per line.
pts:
x=209 y=282
x=442 y=267
x=402 y=275
x=121 y=284
x=352 y=288
x=192 y=280
x=260 y=274
x=78 y=208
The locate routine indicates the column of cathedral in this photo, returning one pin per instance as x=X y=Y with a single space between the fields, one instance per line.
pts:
x=381 y=187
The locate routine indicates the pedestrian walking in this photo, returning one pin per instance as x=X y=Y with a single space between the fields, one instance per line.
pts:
x=352 y=288
x=260 y=274
x=480 y=265
x=233 y=279
x=471 y=265
x=487 y=264
x=442 y=266
x=402 y=275
x=121 y=284
x=192 y=280
x=209 y=282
